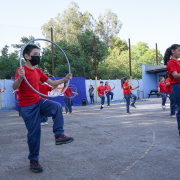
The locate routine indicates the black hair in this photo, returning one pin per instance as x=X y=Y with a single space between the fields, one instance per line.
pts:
x=124 y=80
x=168 y=53
x=101 y=82
x=106 y=82
x=28 y=49
x=167 y=75
x=65 y=83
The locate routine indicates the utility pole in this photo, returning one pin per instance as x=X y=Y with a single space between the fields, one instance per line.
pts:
x=95 y=68
x=156 y=55
x=130 y=62
x=52 y=52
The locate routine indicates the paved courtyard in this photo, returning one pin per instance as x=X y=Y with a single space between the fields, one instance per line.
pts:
x=109 y=145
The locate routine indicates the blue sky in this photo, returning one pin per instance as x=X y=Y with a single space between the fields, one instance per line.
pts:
x=155 y=21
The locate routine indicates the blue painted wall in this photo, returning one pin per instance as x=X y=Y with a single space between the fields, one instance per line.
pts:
x=148 y=81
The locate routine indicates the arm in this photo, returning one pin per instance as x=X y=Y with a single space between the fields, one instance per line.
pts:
x=158 y=89
x=61 y=81
x=112 y=88
x=54 y=87
x=175 y=74
x=18 y=81
x=135 y=88
x=15 y=91
x=127 y=86
x=74 y=93
x=168 y=84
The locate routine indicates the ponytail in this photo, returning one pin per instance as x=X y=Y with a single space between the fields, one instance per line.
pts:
x=168 y=53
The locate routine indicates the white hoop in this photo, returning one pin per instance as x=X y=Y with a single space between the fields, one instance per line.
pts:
x=75 y=90
x=20 y=63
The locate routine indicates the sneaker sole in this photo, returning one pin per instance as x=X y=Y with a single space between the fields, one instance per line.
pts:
x=60 y=143
x=36 y=171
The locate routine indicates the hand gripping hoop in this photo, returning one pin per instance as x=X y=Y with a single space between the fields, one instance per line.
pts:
x=20 y=63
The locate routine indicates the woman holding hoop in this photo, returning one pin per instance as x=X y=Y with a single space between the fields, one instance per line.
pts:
x=108 y=93
x=67 y=98
x=32 y=106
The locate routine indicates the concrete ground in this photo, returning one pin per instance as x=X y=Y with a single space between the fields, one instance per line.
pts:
x=109 y=145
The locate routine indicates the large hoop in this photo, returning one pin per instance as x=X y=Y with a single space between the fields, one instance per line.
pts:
x=75 y=90
x=20 y=63
x=112 y=84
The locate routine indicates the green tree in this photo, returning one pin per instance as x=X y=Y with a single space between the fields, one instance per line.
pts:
x=142 y=54
x=80 y=55
x=108 y=26
x=8 y=63
x=68 y=24
x=23 y=41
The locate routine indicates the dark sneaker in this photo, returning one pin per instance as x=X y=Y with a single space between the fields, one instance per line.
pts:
x=102 y=106
x=128 y=113
x=36 y=167
x=133 y=106
x=63 y=139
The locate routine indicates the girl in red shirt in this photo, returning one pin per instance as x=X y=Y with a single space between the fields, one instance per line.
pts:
x=67 y=98
x=173 y=67
x=108 y=93
x=127 y=94
x=171 y=95
x=162 y=91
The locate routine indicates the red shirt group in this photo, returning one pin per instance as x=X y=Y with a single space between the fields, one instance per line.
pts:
x=44 y=88
x=128 y=90
x=27 y=96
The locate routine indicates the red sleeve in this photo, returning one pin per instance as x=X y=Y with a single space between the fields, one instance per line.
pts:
x=130 y=87
x=17 y=75
x=70 y=89
x=49 y=88
x=159 y=85
x=43 y=78
x=98 y=88
x=172 y=66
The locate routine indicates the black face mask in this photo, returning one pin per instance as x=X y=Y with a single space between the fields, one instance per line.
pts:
x=35 y=60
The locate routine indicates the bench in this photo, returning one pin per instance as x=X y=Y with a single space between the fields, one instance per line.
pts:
x=153 y=94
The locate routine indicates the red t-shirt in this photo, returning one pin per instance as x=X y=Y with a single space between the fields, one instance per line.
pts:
x=101 y=90
x=27 y=96
x=128 y=90
x=173 y=65
x=17 y=93
x=67 y=92
x=162 y=87
x=107 y=88
x=44 y=88
x=168 y=88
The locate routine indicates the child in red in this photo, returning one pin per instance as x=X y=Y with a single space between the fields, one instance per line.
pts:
x=17 y=92
x=162 y=91
x=101 y=90
x=67 y=98
x=108 y=93
x=128 y=95
x=44 y=89
x=173 y=67
x=171 y=96
x=32 y=106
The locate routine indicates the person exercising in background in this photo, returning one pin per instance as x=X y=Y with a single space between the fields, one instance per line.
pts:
x=108 y=93
x=67 y=98
x=101 y=90
x=44 y=89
